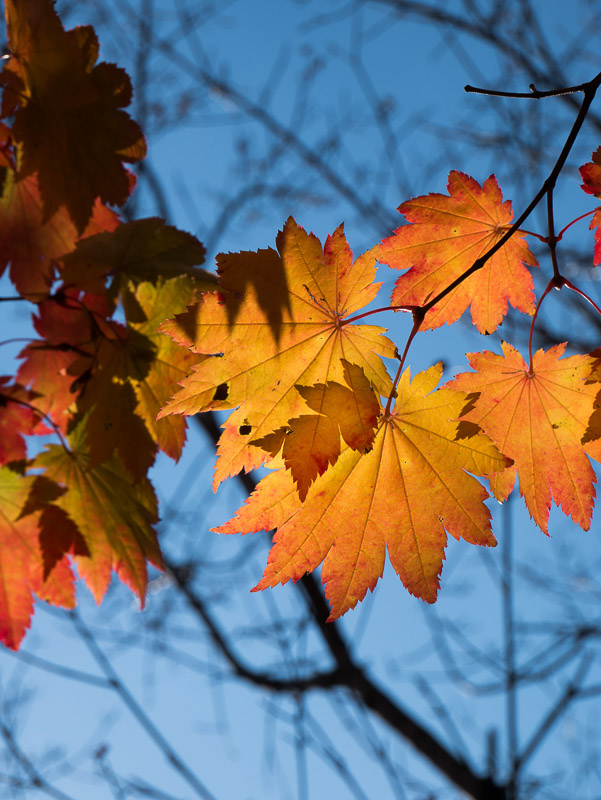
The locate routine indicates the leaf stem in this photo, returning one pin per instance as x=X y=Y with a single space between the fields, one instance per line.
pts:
x=418 y=318
x=412 y=309
x=573 y=288
x=536 y=235
x=569 y=225
x=554 y=283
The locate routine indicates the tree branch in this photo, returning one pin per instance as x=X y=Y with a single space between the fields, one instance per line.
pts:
x=348 y=673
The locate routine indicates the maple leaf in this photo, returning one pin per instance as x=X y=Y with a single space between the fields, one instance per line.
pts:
x=539 y=419
x=355 y=409
x=112 y=424
x=59 y=535
x=32 y=244
x=119 y=376
x=56 y=86
x=149 y=305
x=17 y=418
x=278 y=321
x=22 y=564
x=143 y=250
x=45 y=370
x=113 y=514
x=447 y=235
x=403 y=495
x=55 y=366
x=311 y=443
x=126 y=376
x=591 y=175
x=108 y=400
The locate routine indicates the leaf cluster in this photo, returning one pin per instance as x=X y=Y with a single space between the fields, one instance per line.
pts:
x=97 y=373
x=365 y=463
x=366 y=459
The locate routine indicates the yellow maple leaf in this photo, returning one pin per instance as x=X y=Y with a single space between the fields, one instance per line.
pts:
x=278 y=321
x=402 y=496
x=311 y=442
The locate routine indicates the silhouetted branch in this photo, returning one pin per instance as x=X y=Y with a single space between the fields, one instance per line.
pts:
x=136 y=709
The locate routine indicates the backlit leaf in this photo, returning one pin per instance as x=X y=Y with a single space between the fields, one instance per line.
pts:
x=278 y=321
x=447 y=235
x=143 y=250
x=113 y=514
x=58 y=536
x=17 y=419
x=56 y=366
x=109 y=401
x=540 y=420
x=78 y=106
x=354 y=407
x=403 y=496
x=311 y=443
x=170 y=363
x=31 y=244
x=591 y=175
x=21 y=562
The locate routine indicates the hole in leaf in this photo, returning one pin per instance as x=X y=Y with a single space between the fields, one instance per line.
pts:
x=221 y=392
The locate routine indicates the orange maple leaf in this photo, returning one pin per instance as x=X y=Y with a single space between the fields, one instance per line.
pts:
x=31 y=245
x=447 y=235
x=22 y=569
x=54 y=85
x=277 y=322
x=355 y=409
x=404 y=495
x=45 y=369
x=542 y=420
x=311 y=442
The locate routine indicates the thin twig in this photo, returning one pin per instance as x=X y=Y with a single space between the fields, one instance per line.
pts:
x=570 y=692
x=549 y=183
x=36 y=779
x=136 y=709
x=533 y=94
